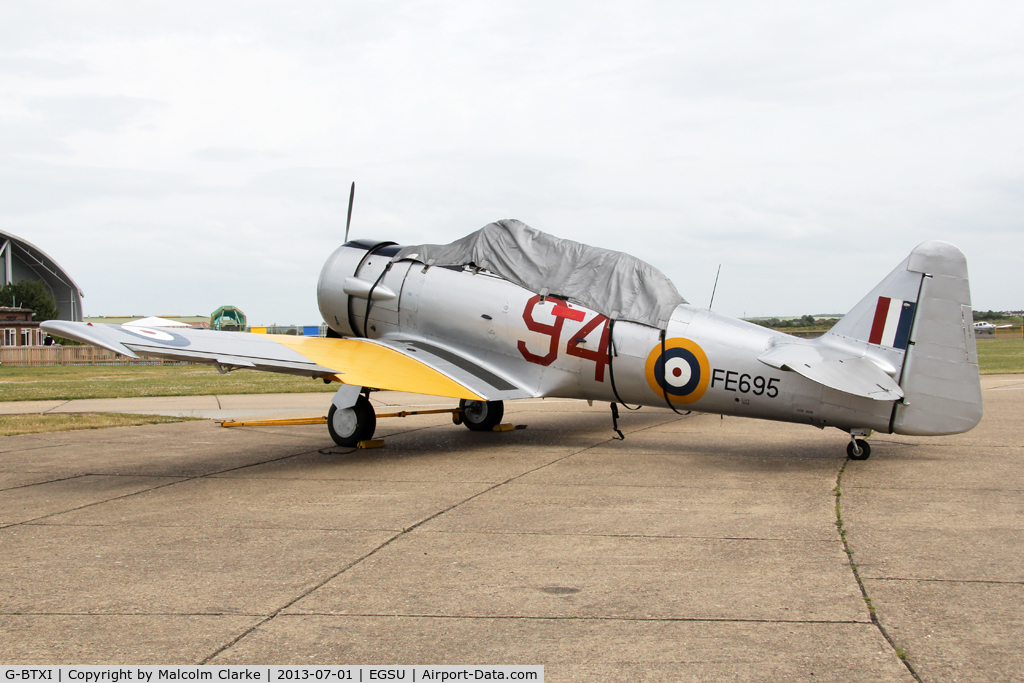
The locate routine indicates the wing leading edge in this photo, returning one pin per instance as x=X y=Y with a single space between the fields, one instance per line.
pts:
x=351 y=361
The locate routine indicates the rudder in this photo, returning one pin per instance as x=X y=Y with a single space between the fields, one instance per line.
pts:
x=940 y=374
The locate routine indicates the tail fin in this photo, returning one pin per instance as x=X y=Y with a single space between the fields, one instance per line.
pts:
x=919 y=319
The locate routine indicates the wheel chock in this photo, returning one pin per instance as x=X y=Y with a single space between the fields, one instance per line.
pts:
x=504 y=427
x=371 y=443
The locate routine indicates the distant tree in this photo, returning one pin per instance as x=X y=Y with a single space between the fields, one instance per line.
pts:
x=990 y=315
x=30 y=294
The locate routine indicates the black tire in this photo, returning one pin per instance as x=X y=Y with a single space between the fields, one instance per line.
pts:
x=862 y=446
x=482 y=416
x=352 y=425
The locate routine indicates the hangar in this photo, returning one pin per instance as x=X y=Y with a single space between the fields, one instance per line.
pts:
x=23 y=260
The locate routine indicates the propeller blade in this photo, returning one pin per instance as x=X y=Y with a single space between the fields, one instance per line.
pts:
x=351 y=199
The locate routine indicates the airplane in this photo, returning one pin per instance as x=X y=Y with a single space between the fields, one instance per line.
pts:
x=987 y=326
x=509 y=312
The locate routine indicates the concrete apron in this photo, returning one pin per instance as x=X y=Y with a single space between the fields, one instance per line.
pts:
x=697 y=549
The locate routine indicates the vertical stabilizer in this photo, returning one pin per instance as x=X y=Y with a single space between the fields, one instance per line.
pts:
x=918 y=321
x=885 y=316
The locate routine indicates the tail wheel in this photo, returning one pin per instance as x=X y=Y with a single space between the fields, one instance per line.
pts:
x=349 y=426
x=481 y=416
x=858 y=449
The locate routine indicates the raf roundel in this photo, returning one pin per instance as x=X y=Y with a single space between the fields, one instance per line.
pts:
x=682 y=374
x=164 y=337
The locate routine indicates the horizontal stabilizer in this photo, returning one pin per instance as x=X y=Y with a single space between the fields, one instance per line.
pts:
x=850 y=374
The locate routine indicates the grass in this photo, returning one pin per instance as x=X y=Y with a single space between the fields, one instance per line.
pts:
x=129 y=381
x=1001 y=356
x=12 y=425
x=995 y=356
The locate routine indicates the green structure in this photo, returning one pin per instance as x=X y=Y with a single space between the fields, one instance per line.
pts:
x=228 y=319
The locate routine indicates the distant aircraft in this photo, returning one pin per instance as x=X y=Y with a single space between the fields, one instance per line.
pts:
x=509 y=312
x=987 y=326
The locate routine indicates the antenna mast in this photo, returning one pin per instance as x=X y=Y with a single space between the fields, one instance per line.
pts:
x=715 y=287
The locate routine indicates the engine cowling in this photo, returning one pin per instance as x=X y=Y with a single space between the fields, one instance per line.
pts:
x=347 y=277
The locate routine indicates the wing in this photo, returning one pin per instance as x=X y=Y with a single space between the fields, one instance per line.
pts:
x=397 y=366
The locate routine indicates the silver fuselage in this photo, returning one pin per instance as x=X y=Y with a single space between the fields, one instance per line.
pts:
x=554 y=349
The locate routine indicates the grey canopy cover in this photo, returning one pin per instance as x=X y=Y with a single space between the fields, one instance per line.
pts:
x=606 y=281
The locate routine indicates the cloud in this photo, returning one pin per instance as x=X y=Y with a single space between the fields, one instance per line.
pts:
x=25 y=66
x=234 y=154
x=29 y=188
x=805 y=147
x=101 y=113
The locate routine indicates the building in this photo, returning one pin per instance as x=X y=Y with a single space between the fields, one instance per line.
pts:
x=18 y=329
x=228 y=319
x=21 y=260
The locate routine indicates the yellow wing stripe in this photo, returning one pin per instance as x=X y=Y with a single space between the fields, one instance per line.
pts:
x=372 y=365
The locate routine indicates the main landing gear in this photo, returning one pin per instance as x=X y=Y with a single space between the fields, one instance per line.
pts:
x=349 y=426
x=481 y=416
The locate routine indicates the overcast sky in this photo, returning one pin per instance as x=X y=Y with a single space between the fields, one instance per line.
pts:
x=174 y=157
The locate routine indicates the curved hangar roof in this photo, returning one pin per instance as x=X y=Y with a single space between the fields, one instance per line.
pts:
x=21 y=260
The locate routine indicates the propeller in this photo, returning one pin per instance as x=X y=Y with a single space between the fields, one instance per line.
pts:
x=351 y=199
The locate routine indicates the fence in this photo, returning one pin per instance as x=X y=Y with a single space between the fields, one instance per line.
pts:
x=1006 y=333
x=25 y=356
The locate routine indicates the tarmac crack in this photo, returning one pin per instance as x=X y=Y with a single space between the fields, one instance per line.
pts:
x=965 y=490
x=50 y=410
x=528 y=617
x=481 y=617
x=130 y=614
x=407 y=530
x=740 y=539
x=992 y=582
x=179 y=480
x=48 y=481
x=583 y=534
x=898 y=651
x=34 y=448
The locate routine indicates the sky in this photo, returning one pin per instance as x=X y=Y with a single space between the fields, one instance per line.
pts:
x=176 y=157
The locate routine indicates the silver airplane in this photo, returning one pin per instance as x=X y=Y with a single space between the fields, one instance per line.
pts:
x=988 y=327
x=510 y=312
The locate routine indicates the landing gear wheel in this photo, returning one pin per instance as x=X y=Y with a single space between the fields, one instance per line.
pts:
x=481 y=416
x=349 y=426
x=858 y=449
